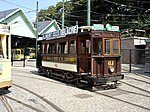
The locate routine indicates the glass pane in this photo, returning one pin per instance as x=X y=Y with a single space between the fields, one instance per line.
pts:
x=115 y=46
x=51 y=49
x=63 y=48
x=18 y=52
x=97 y=46
x=45 y=48
x=72 y=46
x=107 y=46
x=83 y=48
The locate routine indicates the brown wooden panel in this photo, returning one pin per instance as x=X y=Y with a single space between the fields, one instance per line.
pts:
x=83 y=63
x=97 y=67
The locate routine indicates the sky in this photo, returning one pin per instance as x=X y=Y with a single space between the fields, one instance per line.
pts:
x=28 y=6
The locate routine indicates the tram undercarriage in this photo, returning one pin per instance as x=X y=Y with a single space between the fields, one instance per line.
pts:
x=82 y=79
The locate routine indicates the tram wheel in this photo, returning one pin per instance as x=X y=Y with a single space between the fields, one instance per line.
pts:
x=113 y=86
x=49 y=73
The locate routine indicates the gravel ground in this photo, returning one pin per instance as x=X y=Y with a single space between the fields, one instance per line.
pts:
x=31 y=92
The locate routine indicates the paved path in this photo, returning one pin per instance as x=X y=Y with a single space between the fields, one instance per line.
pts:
x=34 y=93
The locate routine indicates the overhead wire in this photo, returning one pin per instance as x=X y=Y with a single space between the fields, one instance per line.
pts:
x=124 y=5
x=17 y=5
x=138 y=1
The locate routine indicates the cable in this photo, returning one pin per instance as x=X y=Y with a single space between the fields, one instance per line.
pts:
x=74 y=16
x=77 y=11
x=30 y=11
x=16 y=5
x=138 y=1
x=124 y=5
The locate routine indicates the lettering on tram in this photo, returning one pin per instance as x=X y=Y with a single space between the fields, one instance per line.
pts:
x=89 y=54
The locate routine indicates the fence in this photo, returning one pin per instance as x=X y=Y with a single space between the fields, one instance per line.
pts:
x=22 y=61
x=134 y=59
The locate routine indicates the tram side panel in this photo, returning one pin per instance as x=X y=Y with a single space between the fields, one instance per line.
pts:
x=55 y=57
x=5 y=61
x=61 y=63
x=5 y=73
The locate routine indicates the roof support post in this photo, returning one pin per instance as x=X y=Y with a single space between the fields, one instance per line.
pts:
x=88 y=12
x=63 y=15
x=36 y=46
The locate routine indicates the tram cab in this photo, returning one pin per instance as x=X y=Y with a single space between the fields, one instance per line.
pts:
x=5 y=57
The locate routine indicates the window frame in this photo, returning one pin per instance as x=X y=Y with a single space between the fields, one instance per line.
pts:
x=57 y=51
x=75 y=46
x=111 y=46
x=118 y=46
x=104 y=46
x=53 y=48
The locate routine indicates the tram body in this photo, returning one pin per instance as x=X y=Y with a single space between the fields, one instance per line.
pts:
x=92 y=57
x=5 y=57
x=18 y=53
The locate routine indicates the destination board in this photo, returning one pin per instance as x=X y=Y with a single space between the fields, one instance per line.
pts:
x=61 y=33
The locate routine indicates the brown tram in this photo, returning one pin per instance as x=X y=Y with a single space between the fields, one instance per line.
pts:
x=91 y=56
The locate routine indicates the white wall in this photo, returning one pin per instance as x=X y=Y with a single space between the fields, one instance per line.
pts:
x=19 y=27
x=51 y=29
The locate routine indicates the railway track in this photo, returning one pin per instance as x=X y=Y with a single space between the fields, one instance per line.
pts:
x=7 y=106
x=58 y=109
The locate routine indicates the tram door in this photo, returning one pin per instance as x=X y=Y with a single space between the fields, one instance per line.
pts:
x=5 y=61
x=97 y=57
x=83 y=52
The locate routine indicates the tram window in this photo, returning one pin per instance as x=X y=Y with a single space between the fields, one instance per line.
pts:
x=17 y=51
x=72 y=46
x=107 y=46
x=32 y=51
x=88 y=46
x=82 y=49
x=51 y=49
x=62 y=48
x=22 y=51
x=116 y=46
x=45 y=48
x=1 y=50
x=97 y=46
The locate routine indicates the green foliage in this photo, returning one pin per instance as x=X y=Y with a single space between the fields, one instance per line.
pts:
x=55 y=12
x=124 y=13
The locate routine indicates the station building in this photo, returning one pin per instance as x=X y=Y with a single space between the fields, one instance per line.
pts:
x=23 y=32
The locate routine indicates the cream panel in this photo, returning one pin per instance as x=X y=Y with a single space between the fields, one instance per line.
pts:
x=62 y=66
x=5 y=70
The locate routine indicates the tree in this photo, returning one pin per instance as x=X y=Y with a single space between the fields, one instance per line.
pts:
x=56 y=13
x=124 y=13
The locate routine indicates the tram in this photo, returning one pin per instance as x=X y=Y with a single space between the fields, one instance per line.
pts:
x=18 y=53
x=90 y=56
x=5 y=57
